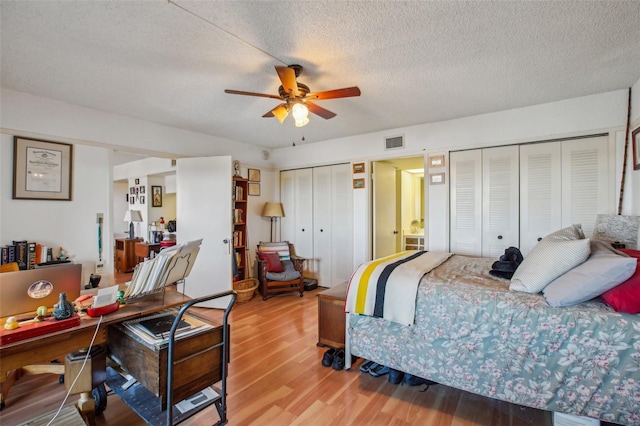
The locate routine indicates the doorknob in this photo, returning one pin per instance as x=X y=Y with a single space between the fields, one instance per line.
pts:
x=395 y=232
x=499 y=237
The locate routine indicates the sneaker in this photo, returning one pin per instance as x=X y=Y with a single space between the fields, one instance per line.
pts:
x=411 y=380
x=327 y=358
x=338 y=360
x=379 y=370
x=395 y=376
x=367 y=365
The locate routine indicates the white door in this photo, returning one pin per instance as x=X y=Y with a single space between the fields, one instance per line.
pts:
x=385 y=232
x=203 y=210
x=287 y=198
x=466 y=202
x=540 y=193
x=322 y=229
x=500 y=200
x=586 y=186
x=303 y=211
x=341 y=224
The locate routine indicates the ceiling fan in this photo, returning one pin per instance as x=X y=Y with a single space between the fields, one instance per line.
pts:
x=297 y=97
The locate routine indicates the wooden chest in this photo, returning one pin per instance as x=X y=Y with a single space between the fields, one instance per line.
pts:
x=331 y=316
x=197 y=361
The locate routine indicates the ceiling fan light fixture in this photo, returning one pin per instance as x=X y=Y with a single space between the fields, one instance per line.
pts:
x=300 y=114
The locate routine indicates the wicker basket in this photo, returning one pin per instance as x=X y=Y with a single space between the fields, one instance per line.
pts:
x=245 y=289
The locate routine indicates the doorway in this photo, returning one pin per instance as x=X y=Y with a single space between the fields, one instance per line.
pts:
x=397 y=203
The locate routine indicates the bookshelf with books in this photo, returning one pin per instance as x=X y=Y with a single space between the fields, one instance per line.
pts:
x=240 y=189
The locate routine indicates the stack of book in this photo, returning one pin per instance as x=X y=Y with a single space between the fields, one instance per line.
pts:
x=27 y=254
x=154 y=329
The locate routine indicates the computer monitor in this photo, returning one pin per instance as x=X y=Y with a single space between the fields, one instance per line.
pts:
x=24 y=291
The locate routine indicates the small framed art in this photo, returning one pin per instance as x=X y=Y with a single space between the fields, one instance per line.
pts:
x=436 y=161
x=156 y=196
x=254 y=175
x=358 y=167
x=254 y=188
x=436 y=178
x=358 y=183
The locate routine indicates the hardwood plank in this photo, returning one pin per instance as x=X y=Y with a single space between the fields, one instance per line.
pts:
x=276 y=378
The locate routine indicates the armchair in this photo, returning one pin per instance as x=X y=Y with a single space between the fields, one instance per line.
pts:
x=278 y=270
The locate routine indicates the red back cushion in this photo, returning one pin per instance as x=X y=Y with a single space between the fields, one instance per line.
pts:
x=273 y=261
x=626 y=296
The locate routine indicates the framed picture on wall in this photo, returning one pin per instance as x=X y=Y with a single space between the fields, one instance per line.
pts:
x=635 y=137
x=254 y=188
x=42 y=170
x=358 y=167
x=254 y=175
x=142 y=189
x=142 y=199
x=436 y=178
x=436 y=161
x=156 y=196
x=358 y=183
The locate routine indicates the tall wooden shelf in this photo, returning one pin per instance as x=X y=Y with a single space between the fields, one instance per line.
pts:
x=240 y=190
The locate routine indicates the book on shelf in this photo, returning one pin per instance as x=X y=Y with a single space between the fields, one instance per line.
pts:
x=22 y=254
x=5 y=255
x=237 y=215
x=32 y=255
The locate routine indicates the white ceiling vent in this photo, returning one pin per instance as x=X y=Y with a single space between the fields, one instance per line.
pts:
x=394 y=142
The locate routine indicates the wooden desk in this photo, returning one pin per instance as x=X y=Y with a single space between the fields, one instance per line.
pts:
x=143 y=250
x=43 y=349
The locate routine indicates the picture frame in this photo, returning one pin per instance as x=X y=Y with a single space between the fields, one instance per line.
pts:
x=436 y=178
x=254 y=188
x=137 y=181
x=142 y=189
x=436 y=161
x=156 y=196
x=142 y=199
x=132 y=190
x=42 y=170
x=358 y=183
x=635 y=138
x=132 y=200
x=254 y=175
x=358 y=168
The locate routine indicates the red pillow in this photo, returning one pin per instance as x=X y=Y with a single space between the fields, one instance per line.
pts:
x=273 y=261
x=626 y=296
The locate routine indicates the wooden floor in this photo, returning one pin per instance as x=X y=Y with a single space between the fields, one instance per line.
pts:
x=276 y=378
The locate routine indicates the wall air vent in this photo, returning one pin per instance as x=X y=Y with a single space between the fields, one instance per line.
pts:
x=173 y=163
x=394 y=142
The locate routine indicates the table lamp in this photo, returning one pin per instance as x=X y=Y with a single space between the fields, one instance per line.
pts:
x=273 y=211
x=132 y=216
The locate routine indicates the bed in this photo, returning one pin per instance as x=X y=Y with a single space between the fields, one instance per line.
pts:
x=473 y=333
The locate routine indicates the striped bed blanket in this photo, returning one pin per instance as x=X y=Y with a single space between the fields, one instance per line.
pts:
x=387 y=287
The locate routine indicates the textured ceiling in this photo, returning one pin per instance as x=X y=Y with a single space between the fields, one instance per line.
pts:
x=414 y=61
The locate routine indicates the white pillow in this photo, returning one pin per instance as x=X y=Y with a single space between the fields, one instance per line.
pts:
x=604 y=269
x=554 y=255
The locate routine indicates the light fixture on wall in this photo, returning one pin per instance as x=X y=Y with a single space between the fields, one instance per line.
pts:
x=132 y=216
x=272 y=210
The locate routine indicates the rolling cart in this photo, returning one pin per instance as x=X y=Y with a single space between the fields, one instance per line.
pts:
x=167 y=373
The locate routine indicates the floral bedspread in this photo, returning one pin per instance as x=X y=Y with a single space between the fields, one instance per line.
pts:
x=474 y=334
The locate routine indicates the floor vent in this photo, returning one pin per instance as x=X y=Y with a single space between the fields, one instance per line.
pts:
x=394 y=142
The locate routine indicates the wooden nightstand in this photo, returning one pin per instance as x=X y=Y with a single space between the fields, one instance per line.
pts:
x=126 y=258
x=331 y=316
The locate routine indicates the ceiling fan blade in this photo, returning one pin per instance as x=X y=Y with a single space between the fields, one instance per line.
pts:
x=262 y=95
x=280 y=112
x=318 y=110
x=288 y=78
x=333 y=94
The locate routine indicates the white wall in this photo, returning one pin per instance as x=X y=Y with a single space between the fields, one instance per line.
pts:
x=68 y=224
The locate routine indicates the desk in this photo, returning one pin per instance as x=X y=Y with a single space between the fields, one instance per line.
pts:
x=42 y=349
x=143 y=250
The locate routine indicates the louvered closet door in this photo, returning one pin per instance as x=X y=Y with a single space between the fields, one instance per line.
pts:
x=466 y=202
x=322 y=229
x=587 y=188
x=540 y=194
x=341 y=224
x=303 y=234
x=501 y=202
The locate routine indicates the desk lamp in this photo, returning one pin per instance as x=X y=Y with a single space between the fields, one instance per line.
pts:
x=132 y=216
x=273 y=211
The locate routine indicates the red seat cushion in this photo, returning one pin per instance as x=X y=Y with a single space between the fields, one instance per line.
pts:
x=626 y=296
x=273 y=261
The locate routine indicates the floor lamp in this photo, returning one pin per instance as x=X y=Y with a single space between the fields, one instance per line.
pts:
x=273 y=211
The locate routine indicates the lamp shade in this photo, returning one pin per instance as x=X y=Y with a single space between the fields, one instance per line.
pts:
x=132 y=216
x=272 y=210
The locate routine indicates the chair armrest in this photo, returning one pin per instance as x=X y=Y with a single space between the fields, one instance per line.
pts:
x=298 y=263
x=262 y=269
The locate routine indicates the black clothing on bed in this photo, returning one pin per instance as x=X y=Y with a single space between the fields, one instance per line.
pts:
x=507 y=264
